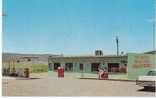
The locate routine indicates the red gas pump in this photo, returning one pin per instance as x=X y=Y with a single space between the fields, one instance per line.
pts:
x=26 y=72
x=103 y=74
x=60 y=72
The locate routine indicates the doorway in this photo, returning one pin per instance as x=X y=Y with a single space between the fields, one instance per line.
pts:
x=69 y=67
x=56 y=65
x=81 y=67
x=95 y=67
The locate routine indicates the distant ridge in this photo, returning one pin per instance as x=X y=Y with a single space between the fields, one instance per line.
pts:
x=8 y=56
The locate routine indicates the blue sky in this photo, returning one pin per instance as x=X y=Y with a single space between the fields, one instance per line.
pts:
x=75 y=27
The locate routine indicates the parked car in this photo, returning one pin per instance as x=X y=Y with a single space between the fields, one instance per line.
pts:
x=148 y=81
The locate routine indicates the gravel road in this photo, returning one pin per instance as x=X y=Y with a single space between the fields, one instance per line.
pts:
x=44 y=85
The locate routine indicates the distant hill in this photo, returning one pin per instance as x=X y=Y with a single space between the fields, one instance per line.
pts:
x=8 y=56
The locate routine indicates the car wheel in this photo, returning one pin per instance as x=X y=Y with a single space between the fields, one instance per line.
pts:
x=147 y=87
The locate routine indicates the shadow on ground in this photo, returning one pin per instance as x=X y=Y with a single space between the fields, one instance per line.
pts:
x=147 y=90
x=107 y=79
x=27 y=78
x=90 y=78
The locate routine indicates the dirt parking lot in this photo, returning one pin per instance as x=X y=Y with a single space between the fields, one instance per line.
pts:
x=45 y=85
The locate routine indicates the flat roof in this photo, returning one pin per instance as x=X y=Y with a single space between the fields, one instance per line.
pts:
x=89 y=56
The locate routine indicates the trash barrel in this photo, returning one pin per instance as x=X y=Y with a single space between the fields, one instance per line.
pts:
x=60 y=72
x=103 y=75
x=26 y=72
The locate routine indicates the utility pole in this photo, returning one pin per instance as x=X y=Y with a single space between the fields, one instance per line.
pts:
x=117 y=43
x=3 y=14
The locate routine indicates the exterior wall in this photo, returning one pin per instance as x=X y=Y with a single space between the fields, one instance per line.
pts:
x=87 y=67
x=137 y=64
x=122 y=64
x=51 y=66
x=87 y=61
x=140 y=64
x=75 y=66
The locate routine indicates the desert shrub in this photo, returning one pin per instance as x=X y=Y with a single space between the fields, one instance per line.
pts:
x=38 y=68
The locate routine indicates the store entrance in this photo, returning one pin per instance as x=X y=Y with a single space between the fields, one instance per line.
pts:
x=56 y=65
x=95 y=67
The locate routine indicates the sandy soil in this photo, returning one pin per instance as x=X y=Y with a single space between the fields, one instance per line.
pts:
x=45 y=85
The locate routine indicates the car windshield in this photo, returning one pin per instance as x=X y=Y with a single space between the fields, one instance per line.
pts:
x=151 y=73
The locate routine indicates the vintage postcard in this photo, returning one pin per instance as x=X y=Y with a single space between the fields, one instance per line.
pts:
x=78 y=48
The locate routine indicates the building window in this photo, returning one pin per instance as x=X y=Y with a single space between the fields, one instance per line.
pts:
x=81 y=67
x=69 y=67
x=113 y=67
x=95 y=67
